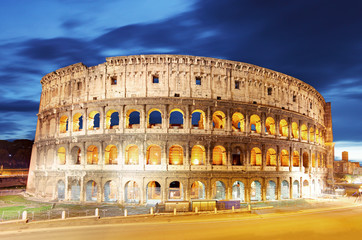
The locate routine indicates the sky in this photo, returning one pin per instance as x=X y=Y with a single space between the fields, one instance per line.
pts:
x=318 y=42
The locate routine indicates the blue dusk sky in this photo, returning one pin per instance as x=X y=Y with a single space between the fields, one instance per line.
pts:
x=318 y=42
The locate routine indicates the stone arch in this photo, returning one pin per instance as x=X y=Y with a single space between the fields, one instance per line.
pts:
x=285 y=193
x=304 y=132
x=111 y=155
x=60 y=190
x=284 y=158
x=270 y=126
x=219 y=155
x=133 y=118
x=92 y=155
x=236 y=156
x=197 y=190
x=63 y=124
x=255 y=123
x=153 y=155
x=131 y=192
x=77 y=122
x=295 y=130
x=238 y=191
x=219 y=120
x=271 y=157
x=176 y=118
x=175 y=191
x=218 y=190
x=313 y=160
x=306 y=189
x=296 y=193
x=295 y=159
x=75 y=191
x=255 y=157
x=305 y=160
x=319 y=160
x=198 y=119
x=311 y=134
x=238 y=122
x=271 y=191
x=110 y=191
x=255 y=191
x=76 y=155
x=91 y=191
x=198 y=155
x=112 y=119
x=154 y=118
x=61 y=156
x=93 y=120
x=153 y=191
x=316 y=135
x=176 y=155
x=132 y=155
x=283 y=128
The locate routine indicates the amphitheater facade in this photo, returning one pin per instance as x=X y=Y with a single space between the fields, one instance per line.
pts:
x=155 y=128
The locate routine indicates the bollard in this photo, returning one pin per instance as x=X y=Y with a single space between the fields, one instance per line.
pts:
x=25 y=215
x=63 y=214
x=215 y=210
x=233 y=209
x=151 y=210
x=174 y=211
x=196 y=210
x=125 y=212
x=96 y=212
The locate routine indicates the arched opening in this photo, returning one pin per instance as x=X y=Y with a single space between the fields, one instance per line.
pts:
x=110 y=155
x=219 y=120
x=91 y=191
x=63 y=124
x=271 y=191
x=255 y=124
x=154 y=118
x=198 y=119
x=270 y=126
x=133 y=119
x=255 y=191
x=319 y=160
x=218 y=190
x=131 y=192
x=61 y=156
x=236 y=157
x=311 y=134
x=76 y=155
x=198 y=155
x=197 y=190
x=295 y=159
x=75 y=191
x=295 y=130
x=306 y=191
x=132 y=155
x=153 y=155
x=313 y=160
x=153 y=191
x=219 y=156
x=93 y=120
x=238 y=122
x=112 y=119
x=176 y=118
x=283 y=128
x=255 y=157
x=305 y=160
x=317 y=135
x=284 y=158
x=92 y=155
x=77 y=122
x=271 y=157
x=175 y=191
x=61 y=190
x=296 y=193
x=238 y=191
x=304 y=132
x=176 y=155
x=110 y=191
x=285 y=190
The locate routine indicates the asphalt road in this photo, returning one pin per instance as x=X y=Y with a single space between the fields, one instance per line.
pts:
x=332 y=224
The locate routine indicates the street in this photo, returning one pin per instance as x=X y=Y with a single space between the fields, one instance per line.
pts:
x=333 y=224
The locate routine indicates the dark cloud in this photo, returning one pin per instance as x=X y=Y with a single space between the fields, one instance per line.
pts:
x=71 y=24
x=19 y=106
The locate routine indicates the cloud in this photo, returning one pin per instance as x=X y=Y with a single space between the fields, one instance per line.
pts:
x=19 y=106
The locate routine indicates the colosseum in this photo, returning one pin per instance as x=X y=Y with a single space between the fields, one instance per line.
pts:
x=155 y=128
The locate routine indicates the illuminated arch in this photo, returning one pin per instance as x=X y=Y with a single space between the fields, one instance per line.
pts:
x=255 y=123
x=154 y=118
x=319 y=160
x=219 y=120
x=284 y=158
x=313 y=160
x=270 y=126
x=295 y=159
x=110 y=155
x=91 y=191
x=93 y=120
x=63 y=124
x=92 y=155
x=153 y=155
x=61 y=156
x=77 y=122
x=295 y=130
x=176 y=155
x=153 y=191
x=175 y=191
x=198 y=155
x=198 y=119
x=197 y=190
x=76 y=155
x=311 y=134
x=304 y=132
x=238 y=191
x=132 y=192
x=176 y=118
x=219 y=156
x=133 y=119
x=271 y=157
x=305 y=160
x=316 y=135
x=112 y=119
x=218 y=190
x=238 y=122
x=283 y=128
x=255 y=157
x=255 y=191
x=132 y=155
